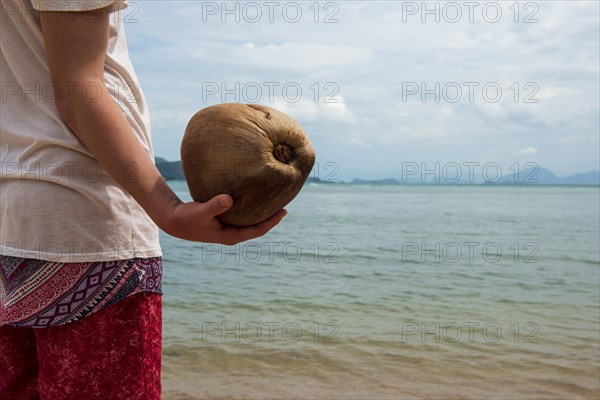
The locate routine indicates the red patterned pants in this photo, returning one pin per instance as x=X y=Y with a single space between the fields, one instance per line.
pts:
x=112 y=354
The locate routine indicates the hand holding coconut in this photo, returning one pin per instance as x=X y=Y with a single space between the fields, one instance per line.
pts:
x=198 y=222
x=258 y=155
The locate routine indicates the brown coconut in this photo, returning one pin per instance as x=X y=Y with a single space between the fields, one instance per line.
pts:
x=256 y=154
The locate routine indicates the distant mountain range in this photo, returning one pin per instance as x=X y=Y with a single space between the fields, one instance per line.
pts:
x=544 y=176
x=539 y=176
x=171 y=170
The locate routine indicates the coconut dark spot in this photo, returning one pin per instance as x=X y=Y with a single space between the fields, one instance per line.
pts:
x=284 y=153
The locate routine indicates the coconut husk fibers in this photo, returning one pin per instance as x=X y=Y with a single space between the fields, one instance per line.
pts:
x=256 y=154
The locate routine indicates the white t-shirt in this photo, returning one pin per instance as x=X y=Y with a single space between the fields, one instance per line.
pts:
x=56 y=203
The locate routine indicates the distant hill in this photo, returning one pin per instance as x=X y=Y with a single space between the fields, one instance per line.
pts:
x=312 y=179
x=388 y=181
x=543 y=176
x=531 y=176
x=171 y=170
x=588 y=178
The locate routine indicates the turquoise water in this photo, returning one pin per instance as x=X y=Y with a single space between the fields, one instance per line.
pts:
x=393 y=292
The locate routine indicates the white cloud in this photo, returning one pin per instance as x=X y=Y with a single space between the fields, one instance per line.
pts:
x=359 y=142
x=527 y=151
x=447 y=111
x=310 y=111
x=299 y=56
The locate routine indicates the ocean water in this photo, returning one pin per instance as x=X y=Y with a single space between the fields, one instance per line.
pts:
x=377 y=292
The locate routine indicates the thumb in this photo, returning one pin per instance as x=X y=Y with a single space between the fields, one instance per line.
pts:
x=219 y=204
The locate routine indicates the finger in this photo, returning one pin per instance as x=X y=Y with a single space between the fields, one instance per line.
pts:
x=219 y=204
x=260 y=229
x=233 y=235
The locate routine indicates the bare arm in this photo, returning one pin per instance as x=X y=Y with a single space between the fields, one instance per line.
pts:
x=76 y=45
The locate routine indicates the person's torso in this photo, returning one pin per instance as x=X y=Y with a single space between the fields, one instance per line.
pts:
x=56 y=203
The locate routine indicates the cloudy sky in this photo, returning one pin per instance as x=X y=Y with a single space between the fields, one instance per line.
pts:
x=381 y=84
